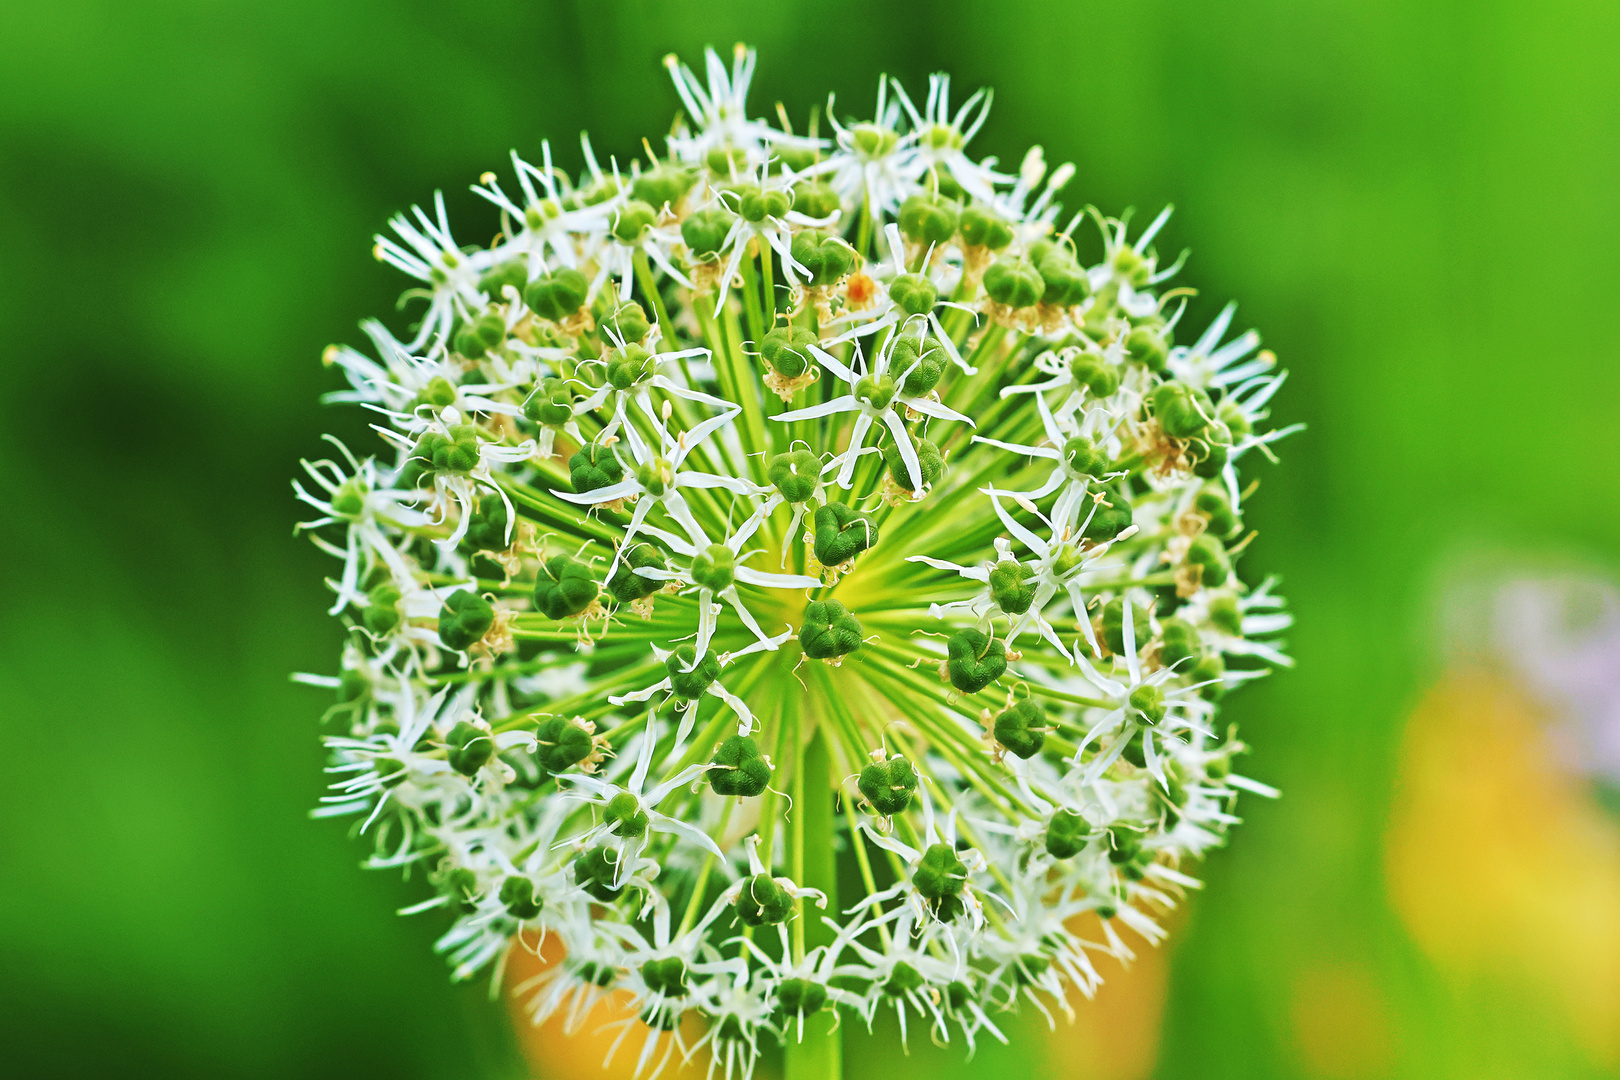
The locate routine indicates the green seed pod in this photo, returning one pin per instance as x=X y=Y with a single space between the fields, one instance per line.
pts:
x=829 y=630
x=800 y=997
x=689 y=677
x=1111 y=517
x=1211 y=502
x=930 y=462
x=1182 y=410
x=560 y=744
x=913 y=294
x=1205 y=551
x=903 y=979
x=625 y=817
x=626 y=586
x=1225 y=614
x=1147 y=701
x=627 y=322
x=656 y=476
x=888 y=784
x=381 y=613
x=514 y=273
x=876 y=393
x=457 y=452
x=755 y=204
x=762 y=902
x=1123 y=844
x=1065 y=279
x=1095 y=374
x=486 y=527
x=1084 y=459
x=664 y=186
x=928 y=219
x=594 y=871
x=793 y=158
x=631 y=221
x=1016 y=283
x=1210 y=670
x=982 y=228
x=517 y=893
x=461 y=886
x=1010 y=587
x=466 y=618
x=974 y=660
x=1066 y=834
x=469 y=748
x=666 y=976
x=939 y=873
x=795 y=474
x=1147 y=347
x=597 y=974
x=1181 y=643
x=841 y=533
x=726 y=160
x=739 y=768
x=704 y=232
x=350 y=499
x=1131 y=266
x=921 y=361
x=1211 y=451
x=942 y=180
x=714 y=568
x=872 y=140
x=439 y=393
x=827 y=258
x=1022 y=729
x=552 y=403
x=563 y=588
x=786 y=349
x=594 y=467
x=557 y=296
x=1113 y=625
x=1235 y=419
x=816 y=200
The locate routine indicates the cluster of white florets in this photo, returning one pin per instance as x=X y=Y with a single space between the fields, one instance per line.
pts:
x=788 y=502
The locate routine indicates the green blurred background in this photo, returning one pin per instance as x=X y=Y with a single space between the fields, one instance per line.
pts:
x=1415 y=202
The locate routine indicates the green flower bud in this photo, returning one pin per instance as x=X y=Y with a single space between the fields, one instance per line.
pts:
x=726 y=160
x=1111 y=517
x=381 y=613
x=594 y=467
x=827 y=258
x=1083 y=458
x=457 y=452
x=1211 y=502
x=793 y=158
x=795 y=474
x=913 y=294
x=478 y=337
x=551 y=404
x=656 y=476
x=1113 y=625
x=598 y=974
x=632 y=220
x=800 y=997
x=930 y=463
x=594 y=871
x=689 y=677
x=1066 y=834
x=1022 y=729
x=928 y=219
x=438 y=393
x=903 y=979
x=1211 y=451
x=486 y=527
x=1123 y=844
x=921 y=361
x=1147 y=347
x=786 y=349
x=560 y=744
x=940 y=180
x=517 y=894
x=666 y=976
x=762 y=902
x=626 y=586
x=715 y=568
x=974 y=660
x=1225 y=613
x=1095 y=374
x=939 y=873
x=873 y=141
x=1014 y=282
x=563 y=588
x=350 y=499
x=625 y=816
x=816 y=200
x=1065 y=279
x=1131 y=266
x=1206 y=552
x=841 y=533
x=1010 y=587
x=755 y=204
x=1147 y=701
x=740 y=769
x=876 y=393
x=469 y=748
x=1209 y=670
x=1236 y=421
x=1181 y=643
x=461 y=886
x=466 y=618
x=888 y=784
x=982 y=228
x=514 y=273
x=829 y=630
x=704 y=232
x=664 y=186
x=627 y=322
x=1183 y=411
x=557 y=296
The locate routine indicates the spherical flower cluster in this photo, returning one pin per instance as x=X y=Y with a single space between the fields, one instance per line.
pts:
x=795 y=578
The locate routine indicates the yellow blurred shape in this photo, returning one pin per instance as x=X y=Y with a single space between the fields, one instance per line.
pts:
x=1115 y=1036
x=1340 y=1023
x=1500 y=864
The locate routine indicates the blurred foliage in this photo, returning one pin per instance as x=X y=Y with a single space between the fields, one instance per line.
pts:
x=1416 y=203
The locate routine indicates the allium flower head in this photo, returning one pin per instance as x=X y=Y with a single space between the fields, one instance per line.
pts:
x=782 y=513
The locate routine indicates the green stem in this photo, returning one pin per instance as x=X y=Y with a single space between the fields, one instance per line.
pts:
x=820 y=1055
